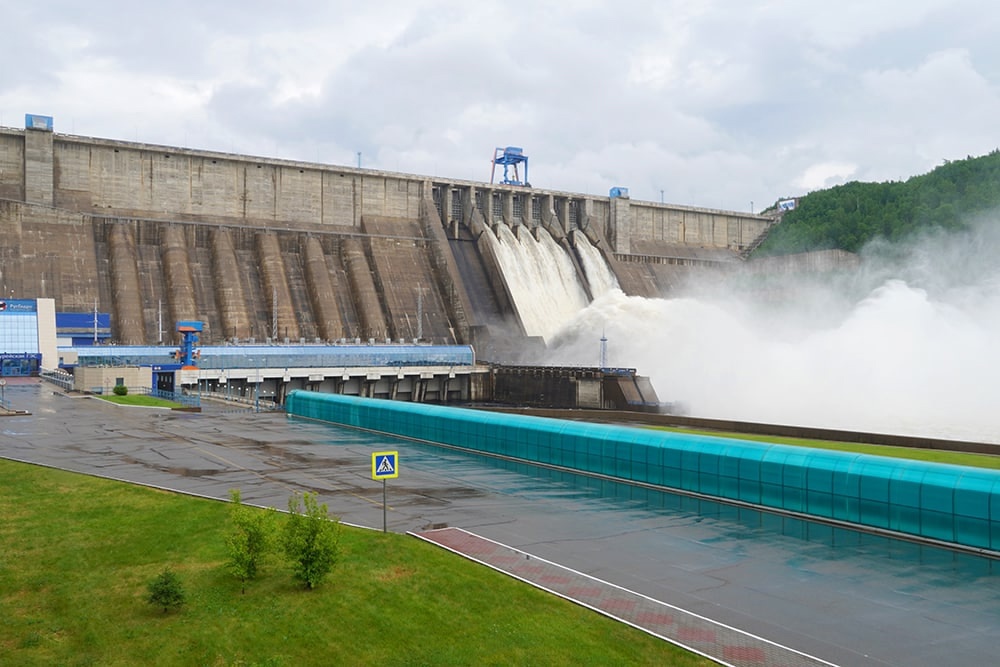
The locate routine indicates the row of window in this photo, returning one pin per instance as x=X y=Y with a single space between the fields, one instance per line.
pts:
x=19 y=332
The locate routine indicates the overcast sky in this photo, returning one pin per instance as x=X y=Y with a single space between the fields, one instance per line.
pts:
x=711 y=103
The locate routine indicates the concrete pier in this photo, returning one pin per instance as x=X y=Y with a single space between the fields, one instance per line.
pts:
x=126 y=286
x=269 y=259
x=366 y=298
x=177 y=272
x=236 y=321
x=322 y=291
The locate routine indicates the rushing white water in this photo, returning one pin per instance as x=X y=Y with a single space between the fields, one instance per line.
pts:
x=542 y=280
x=600 y=278
x=906 y=345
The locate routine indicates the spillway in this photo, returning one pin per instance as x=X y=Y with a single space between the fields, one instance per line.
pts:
x=599 y=275
x=541 y=279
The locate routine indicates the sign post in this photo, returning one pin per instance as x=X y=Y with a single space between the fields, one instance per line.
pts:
x=385 y=465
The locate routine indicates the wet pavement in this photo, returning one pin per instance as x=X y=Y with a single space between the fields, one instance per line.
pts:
x=844 y=597
x=678 y=626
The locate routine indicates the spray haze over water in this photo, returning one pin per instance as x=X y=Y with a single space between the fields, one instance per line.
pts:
x=906 y=344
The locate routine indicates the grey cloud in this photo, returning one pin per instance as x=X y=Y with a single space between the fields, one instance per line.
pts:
x=661 y=96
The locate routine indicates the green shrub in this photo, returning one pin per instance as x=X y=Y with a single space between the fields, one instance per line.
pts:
x=166 y=591
x=250 y=538
x=310 y=539
x=120 y=390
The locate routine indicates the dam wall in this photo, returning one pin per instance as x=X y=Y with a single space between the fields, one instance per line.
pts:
x=50 y=253
x=261 y=248
x=950 y=504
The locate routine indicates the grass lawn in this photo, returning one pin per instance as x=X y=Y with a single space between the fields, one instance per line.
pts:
x=142 y=400
x=77 y=552
x=932 y=455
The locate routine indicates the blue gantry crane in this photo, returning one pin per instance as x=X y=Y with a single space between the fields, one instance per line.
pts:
x=511 y=156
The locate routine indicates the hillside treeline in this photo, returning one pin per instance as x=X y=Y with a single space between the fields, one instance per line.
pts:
x=849 y=216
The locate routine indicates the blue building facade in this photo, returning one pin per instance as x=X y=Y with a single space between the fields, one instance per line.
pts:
x=27 y=336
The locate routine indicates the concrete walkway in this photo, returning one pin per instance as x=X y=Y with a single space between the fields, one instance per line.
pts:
x=719 y=642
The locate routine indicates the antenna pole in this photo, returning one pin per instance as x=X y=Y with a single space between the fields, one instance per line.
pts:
x=604 y=351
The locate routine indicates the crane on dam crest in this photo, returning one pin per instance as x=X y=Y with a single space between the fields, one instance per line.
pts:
x=510 y=157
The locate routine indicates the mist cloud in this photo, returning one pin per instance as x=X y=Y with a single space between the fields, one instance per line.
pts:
x=904 y=344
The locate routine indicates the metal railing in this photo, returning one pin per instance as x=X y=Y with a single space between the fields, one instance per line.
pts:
x=58 y=377
x=189 y=400
x=251 y=403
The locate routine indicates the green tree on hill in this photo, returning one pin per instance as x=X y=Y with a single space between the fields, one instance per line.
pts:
x=848 y=216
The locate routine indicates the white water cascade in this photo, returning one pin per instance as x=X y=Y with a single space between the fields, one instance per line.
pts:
x=599 y=274
x=542 y=279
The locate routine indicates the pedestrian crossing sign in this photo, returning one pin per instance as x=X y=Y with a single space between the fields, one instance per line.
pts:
x=385 y=465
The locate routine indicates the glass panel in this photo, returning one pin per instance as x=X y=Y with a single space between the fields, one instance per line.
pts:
x=943 y=502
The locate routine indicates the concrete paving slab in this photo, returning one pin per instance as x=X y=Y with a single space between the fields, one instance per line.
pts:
x=723 y=644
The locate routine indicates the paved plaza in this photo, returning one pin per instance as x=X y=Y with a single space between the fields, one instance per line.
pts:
x=792 y=592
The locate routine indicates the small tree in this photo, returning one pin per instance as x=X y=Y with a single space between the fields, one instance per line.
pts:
x=166 y=591
x=120 y=390
x=250 y=539
x=311 y=539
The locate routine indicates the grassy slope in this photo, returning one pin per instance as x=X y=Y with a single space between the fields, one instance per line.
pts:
x=933 y=455
x=77 y=552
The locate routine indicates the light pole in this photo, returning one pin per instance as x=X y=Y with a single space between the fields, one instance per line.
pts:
x=256 y=388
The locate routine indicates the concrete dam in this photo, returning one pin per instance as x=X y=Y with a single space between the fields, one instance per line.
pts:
x=283 y=251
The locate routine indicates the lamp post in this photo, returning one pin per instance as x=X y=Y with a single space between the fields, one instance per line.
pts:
x=256 y=387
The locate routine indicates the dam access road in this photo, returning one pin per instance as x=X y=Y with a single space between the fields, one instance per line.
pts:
x=843 y=597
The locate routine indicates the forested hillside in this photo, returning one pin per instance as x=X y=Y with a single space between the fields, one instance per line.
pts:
x=850 y=215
